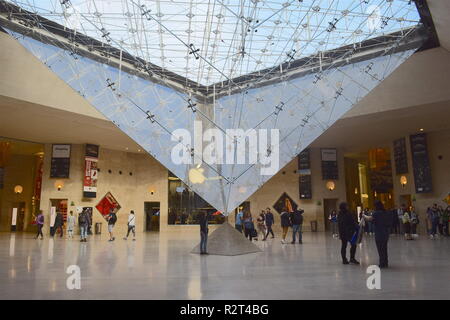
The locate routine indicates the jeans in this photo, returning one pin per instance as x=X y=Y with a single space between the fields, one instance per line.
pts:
x=297 y=228
x=131 y=228
x=334 y=227
x=83 y=231
x=238 y=227
x=434 y=226
x=203 y=241
x=344 y=250
x=269 y=230
x=39 y=231
x=382 y=252
x=248 y=233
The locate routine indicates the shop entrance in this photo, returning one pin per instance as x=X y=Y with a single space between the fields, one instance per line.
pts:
x=60 y=206
x=151 y=211
x=20 y=215
x=328 y=206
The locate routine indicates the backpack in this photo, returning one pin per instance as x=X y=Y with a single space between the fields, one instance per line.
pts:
x=82 y=219
x=113 y=218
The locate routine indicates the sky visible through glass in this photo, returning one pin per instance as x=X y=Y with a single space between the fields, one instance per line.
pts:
x=213 y=41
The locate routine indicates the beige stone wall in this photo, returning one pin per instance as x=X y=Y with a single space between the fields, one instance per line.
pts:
x=288 y=182
x=19 y=171
x=130 y=191
x=438 y=145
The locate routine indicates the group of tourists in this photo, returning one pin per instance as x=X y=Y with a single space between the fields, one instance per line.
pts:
x=265 y=221
x=438 y=220
x=84 y=223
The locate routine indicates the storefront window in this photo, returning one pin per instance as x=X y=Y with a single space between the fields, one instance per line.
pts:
x=185 y=205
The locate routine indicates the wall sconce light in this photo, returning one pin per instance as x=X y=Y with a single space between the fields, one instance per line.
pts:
x=18 y=189
x=403 y=181
x=356 y=190
x=330 y=185
x=59 y=185
x=152 y=190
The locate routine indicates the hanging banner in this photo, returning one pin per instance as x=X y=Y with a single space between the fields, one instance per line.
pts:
x=304 y=169
x=329 y=164
x=421 y=163
x=52 y=216
x=107 y=204
x=38 y=181
x=60 y=165
x=90 y=171
x=400 y=157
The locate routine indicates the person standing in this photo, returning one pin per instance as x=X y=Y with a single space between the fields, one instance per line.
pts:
x=333 y=222
x=445 y=219
x=269 y=220
x=347 y=227
x=407 y=225
x=260 y=222
x=433 y=216
x=112 y=219
x=414 y=221
x=382 y=223
x=400 y=213
x=395 y=221
x=248 y=225
x=83 y=223
x=40 y=224
x=70 y=224
x=131 y=225
x=441 y=220
x=239 y=219
x=297 y=223
x=203 y=222
x=285 y=224
x=59 y=224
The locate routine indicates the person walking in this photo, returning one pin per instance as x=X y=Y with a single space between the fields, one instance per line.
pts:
x=260 y=222
x=40 y=224
x=269 y=219
x=203 y=222
x=285 y=224
x=407 y=225
x=248 y=225
x=131 y=225
x=112 y=219
x=238 y=222
x=70 y=224
x=382 y=222
x=347 y=227
x=297 y=223
x=333 y=221
x=83 y=223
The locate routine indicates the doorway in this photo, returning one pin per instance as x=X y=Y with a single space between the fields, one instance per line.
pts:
x=328 y=206
x=151 y=211
x=60 y=206
x=20 y=216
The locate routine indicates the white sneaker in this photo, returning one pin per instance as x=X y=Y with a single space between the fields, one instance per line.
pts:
x=283 y=242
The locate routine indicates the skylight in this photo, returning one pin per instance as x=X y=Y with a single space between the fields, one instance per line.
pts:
x=213 y=41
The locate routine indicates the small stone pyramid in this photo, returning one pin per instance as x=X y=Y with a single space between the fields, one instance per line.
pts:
x=227 y=241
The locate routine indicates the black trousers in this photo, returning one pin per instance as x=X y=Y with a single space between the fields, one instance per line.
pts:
x=248 y=233
x=131 y=228
x=269 y=230
x=344 y=250
x=382 y=252
x=39 y=231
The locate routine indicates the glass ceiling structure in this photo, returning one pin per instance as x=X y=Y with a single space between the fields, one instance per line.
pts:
x=213 y=41
x=152 y=67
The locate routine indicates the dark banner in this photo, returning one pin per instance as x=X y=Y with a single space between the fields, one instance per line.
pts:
x=60 y=164
x=90 y=171
x=329 y=164
x=304 y=180
x=421 y=163
x=400 y=156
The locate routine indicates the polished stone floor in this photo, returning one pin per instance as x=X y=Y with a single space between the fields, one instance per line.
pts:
x=160 y=266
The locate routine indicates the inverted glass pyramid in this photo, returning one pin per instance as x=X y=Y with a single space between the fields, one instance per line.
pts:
x=296 y=100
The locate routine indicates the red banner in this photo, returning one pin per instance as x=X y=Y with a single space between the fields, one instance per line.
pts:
x=90 y=172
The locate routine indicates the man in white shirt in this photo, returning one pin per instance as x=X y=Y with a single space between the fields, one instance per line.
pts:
x=131 y=225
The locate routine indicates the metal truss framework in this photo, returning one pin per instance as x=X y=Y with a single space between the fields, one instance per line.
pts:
x=318 y=58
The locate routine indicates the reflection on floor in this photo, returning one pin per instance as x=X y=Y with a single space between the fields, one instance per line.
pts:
x=159 y=266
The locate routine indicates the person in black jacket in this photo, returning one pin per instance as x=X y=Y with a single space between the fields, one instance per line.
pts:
x=285 y=223
x=203 y=222
x=297 y=222
x=347 y=227
x=269 y=220
x=382 y=222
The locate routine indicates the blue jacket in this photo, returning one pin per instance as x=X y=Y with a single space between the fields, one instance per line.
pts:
x=269 y=219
